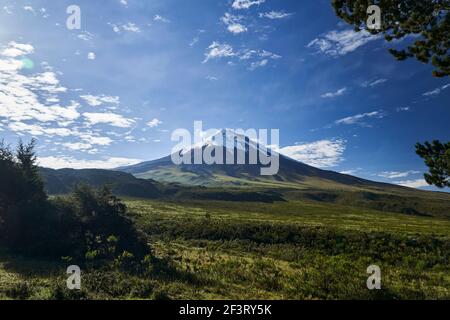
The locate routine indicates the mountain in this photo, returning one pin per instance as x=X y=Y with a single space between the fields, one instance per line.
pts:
x=294 y=180
x=290 y=173
x=124 y=184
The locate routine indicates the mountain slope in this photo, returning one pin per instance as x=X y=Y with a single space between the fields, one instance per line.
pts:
x=291 y=173
x=123 y=184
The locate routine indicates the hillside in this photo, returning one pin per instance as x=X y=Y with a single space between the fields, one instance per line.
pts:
x=291 y=173
x=62 y=182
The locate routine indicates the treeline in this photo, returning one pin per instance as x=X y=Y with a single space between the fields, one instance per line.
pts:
x=88 y=226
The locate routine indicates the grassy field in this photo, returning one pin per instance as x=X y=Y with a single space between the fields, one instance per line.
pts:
x=284 y=250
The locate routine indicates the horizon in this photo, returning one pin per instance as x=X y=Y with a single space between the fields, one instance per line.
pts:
x=111 y=93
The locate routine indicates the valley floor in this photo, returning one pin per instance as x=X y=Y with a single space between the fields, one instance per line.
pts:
x=285 y=250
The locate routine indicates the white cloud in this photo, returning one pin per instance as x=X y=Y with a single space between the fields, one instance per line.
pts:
x=258 y=64
x=47 y=81
x=88 y=139
x=61 y=162
x=10 y=65
x=338 y=43
x=78 y=146
x=22 y=127
x=38 y=130
x=160 y=19
x=246 y=4
x=124 y=2
x=15 y=49
x=91 y=56
x=7 y=9
x=95 y=101
x=43 y=12
x=418 y=183
x=194 y=41
x=233 y=23
x=211 y=78
x=86 y=36
x=351 y=171
x=275 y=15
x=436 y=91
x=359 y=118
x=237 y=28
x=21 y=95
x=29 y=8
x=338 y=93
x=402 y=109
x=374 y=83
x=127 y=27
x=131 y=27
x=112 y=119
x=115 y=27
x=396 y=174
x=322 y=154
x=95 y=140
x=154 y=123
x=218 y=50
x=253 y=58
x=29 y=105
x=248 y=54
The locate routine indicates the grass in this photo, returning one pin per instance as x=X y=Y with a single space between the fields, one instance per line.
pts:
x=292 y=212
x=284 y=250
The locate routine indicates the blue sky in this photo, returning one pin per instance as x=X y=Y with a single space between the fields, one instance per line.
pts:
x=112 y=92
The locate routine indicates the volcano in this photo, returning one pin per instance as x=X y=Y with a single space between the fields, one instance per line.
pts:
x=245 y=172
x=294 y=180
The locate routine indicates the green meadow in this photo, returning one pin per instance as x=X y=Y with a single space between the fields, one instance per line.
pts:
x=236 y=250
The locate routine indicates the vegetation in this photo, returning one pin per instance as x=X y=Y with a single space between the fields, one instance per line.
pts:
x=234 y=250
x=427 y=18
x=437 y=158
x=298 y=248
x=87 y=225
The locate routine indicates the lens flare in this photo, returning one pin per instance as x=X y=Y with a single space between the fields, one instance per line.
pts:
x=27 y=63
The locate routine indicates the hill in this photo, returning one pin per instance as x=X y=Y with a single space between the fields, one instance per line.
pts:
x=124 y=184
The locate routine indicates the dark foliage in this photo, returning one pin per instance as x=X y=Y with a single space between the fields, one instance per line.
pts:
x=88 y=226
x=428 y=19
x=224 y=195
x=437 y=158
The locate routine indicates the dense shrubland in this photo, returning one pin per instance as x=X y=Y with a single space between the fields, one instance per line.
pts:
x=302 y=253
x=429 y=250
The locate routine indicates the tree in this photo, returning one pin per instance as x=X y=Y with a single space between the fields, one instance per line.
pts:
x=27 y=162
x=85 y=223
x=428 y=19
x=437 y=158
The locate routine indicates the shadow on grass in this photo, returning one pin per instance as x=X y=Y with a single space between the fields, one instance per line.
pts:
x=30 y=267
